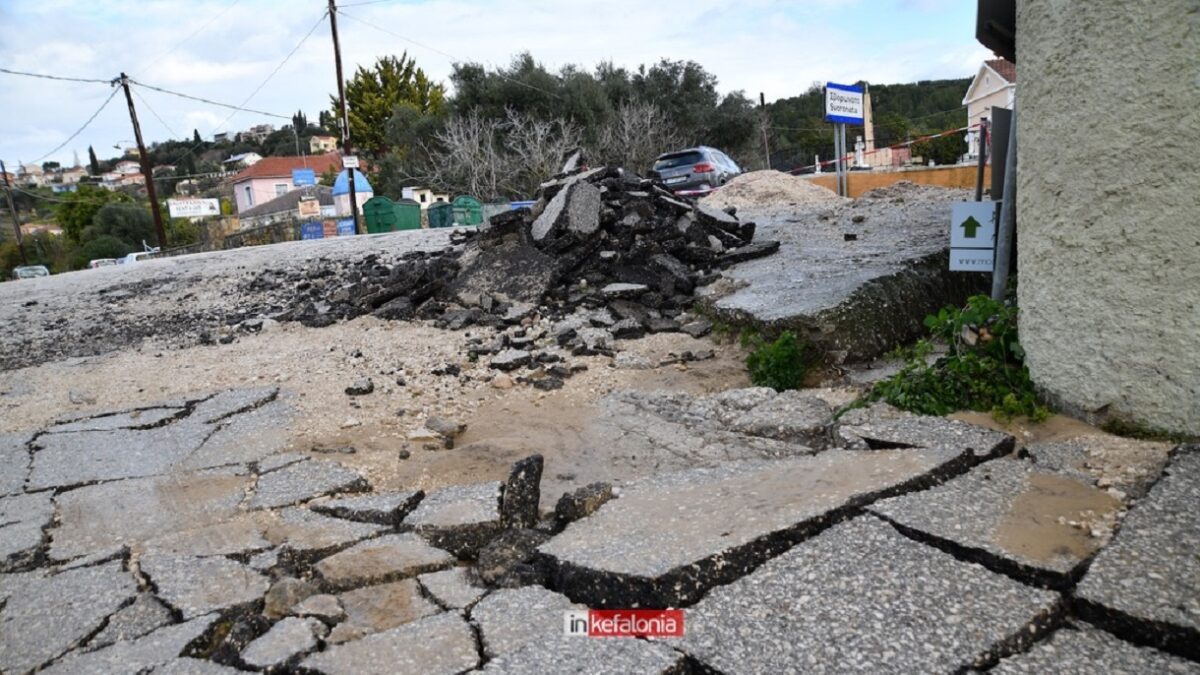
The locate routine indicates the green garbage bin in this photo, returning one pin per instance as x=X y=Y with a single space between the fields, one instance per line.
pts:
x=440 y=214
x=380 y=213
x=467 y=210
x=408 y=214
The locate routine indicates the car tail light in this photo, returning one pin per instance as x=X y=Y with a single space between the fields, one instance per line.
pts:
x=703 y=167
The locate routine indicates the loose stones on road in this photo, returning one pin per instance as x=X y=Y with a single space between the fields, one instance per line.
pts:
x=669 y=538
x=387 y=558
x=899 y=607
x=1145 y=583
x=1011 y=517
x=304 y=480
x=197 y=586
x=431 y=646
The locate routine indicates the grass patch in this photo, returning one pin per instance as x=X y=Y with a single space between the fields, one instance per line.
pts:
x=780 y=365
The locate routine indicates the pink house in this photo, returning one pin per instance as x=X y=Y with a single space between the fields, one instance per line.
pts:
x=272 y=177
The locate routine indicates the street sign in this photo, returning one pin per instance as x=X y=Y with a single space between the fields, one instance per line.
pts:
x=972 y=236
x=313 y=230
x=843 y=103
x=309 y=207
x=345 y=227
x=193 y=208
x=350 y=162
x=302 y=177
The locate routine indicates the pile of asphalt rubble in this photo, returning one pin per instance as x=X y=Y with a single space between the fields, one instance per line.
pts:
x=602 y=255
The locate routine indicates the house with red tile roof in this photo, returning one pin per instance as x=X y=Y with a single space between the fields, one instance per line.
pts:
x=995 y=85
x=271 y=177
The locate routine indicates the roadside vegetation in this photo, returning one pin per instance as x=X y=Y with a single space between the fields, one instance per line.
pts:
x=780 y=364
x=983 y=369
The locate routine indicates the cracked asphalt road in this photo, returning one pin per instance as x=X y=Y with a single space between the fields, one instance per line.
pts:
x=224 y=517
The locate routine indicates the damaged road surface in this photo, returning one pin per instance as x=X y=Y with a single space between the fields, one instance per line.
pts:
x=399 y=454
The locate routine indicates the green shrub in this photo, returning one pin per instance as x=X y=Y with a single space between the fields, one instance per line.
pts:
x=983 y=369
x=780 y=365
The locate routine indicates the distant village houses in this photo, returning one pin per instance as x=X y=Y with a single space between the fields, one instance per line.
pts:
x=319 y=145
x=995 y=85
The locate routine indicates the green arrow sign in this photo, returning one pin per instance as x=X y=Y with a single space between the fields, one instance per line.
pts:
x=970 y=226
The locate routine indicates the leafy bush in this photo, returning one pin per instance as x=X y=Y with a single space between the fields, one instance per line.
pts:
x=780 y=365
x=983 y=370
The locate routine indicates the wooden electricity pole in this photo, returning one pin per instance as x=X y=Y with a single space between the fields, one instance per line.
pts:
x=147 y=172
x=347 y=149
x=766 y=121
x=13 y=209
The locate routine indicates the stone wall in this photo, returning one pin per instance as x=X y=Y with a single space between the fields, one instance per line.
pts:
x=1109 y=207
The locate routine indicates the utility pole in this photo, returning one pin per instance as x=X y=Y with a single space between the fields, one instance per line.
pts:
x=346 y=145
x=13 y=209
x=762 y=106
x=147 y=173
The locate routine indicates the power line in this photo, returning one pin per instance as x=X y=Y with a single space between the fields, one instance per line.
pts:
x=453 y=59
x=80 y=129
x=210 y=101
x=155 y=113
x=53 y=77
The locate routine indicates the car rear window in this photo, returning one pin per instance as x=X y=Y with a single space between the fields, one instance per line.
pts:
x=677 y=160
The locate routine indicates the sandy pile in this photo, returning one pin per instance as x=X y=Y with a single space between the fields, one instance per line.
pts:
x=766 y=189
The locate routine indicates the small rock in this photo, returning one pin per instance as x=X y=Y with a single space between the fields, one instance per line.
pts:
x=286 y=640
x=334 y=450
x=447 y=369
x=404 y=454
x=446 y=427
x=284 y=594
x=622 y=290
x=361 y=387
x=698 y=328
x=322 y=606
x=548 y=383
x=511 y=359
x=350 y=422
x=502 y=382
x=80 y=397
x=631 y=361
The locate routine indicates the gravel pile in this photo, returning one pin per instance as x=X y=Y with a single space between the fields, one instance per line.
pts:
x=765 y=189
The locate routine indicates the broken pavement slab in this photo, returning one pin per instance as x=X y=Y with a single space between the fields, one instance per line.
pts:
x=302 y=535
x=669 y=538
x=288 y=639
x=451 y=588
x=14 y=462
x=149 y=651
x=459 y=519
x=1011 y=518
x=23 y=519
x=133 y=419
x=862 y=597
x=302 y=481
x=387 y=558
x=374 y=609
x=1085 y=650
x=1124 y=466
x=583 y=655
x=541 y=613
x=920 y=431
x=197 y=586
x=442 y=644
x=1145 y=586
x=381 y=508
x=144 y=615
x=47 y=615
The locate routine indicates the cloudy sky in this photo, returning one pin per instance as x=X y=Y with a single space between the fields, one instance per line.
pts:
x=232 y=50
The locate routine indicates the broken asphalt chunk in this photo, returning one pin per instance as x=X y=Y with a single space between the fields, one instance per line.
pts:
x=671 y=537
x=522 y=493
x=926 y=432
x=862 y=597
x=383 y=508
x=1084 y=650
x=387 y=558
x=1010 y=517
x=451 y=588
x=160 y=647
x=460 y=519
x=197 y=586
x=442 y=644
x=302 y=481
x=1144 y=585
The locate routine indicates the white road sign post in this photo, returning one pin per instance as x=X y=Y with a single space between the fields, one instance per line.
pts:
x=843 y=105
x=972 y=236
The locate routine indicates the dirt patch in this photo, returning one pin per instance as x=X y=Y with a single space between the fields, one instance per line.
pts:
x=1026 y=431
x=767 y=189
x=1054 y=518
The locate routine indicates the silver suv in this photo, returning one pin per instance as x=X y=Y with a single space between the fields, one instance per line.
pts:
x=694 y=171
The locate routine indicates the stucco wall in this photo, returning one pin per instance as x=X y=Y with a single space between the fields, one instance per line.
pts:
x=1109 y=206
